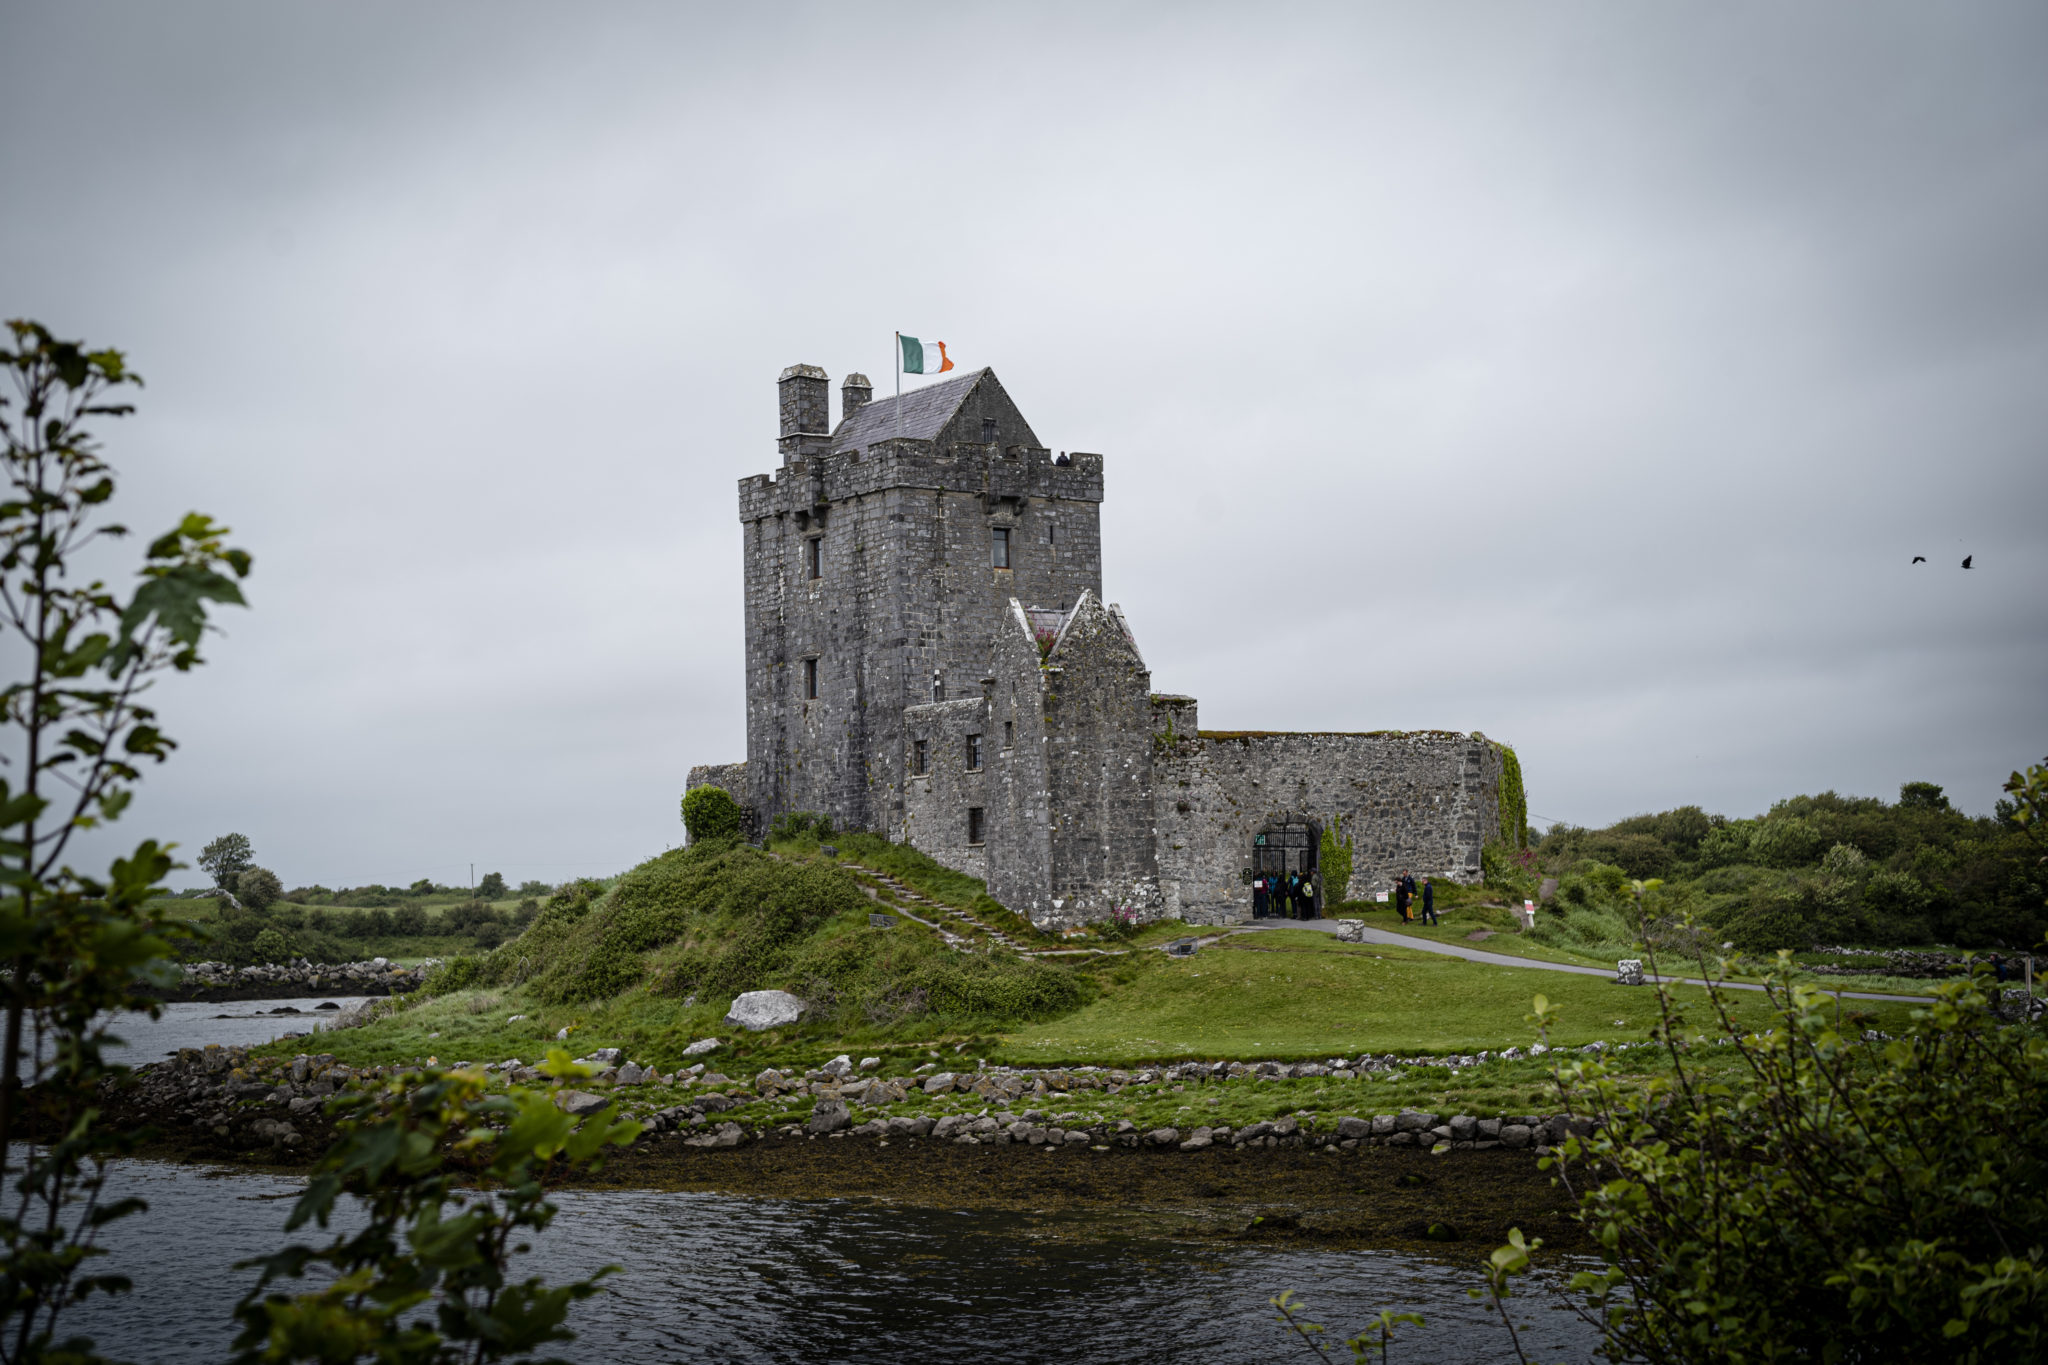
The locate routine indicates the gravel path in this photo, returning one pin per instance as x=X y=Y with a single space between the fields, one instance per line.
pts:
x=1430 y=945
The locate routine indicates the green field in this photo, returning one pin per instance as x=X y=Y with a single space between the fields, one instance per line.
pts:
x=1299 y=994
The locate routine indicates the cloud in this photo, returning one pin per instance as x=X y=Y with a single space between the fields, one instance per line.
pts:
x=1583 y=375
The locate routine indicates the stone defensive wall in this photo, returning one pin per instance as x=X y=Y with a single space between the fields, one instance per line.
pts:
x=1425 y=802
x=823 y=478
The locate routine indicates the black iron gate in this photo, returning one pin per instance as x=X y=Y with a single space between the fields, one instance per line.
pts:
x=1289 y=845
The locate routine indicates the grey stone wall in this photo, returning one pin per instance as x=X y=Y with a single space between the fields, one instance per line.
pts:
x=1424 y=802
x=907 y=590
x=935 y=805
x=1072 y=798
x=1019 y=855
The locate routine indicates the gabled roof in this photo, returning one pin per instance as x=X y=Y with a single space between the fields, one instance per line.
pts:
x=925 y=414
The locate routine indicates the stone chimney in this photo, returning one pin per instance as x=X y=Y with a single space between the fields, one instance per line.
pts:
x=854 y=395
x=803 y=393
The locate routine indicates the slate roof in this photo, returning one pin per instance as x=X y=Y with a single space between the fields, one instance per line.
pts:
x=925 y=414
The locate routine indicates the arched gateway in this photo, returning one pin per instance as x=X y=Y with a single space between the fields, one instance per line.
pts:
x=1288 y=843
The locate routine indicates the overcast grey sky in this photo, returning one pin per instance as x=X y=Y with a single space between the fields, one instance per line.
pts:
x=1583 y=374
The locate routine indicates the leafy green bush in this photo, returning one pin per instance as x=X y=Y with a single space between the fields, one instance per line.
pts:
x=711 y=813
x=258 y=888
x=1770 y=924
x=456 y=974
x=1333 y=861
x=1786 y=842
x=1593 y=911
x=1864 y=1198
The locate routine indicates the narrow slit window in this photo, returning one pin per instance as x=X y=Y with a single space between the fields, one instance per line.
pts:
x=1009 y=734
x=1052 y=533
x=1001 y=547
x=917 y=761
x=988 y=431
x=810 y=679
x=973 y=752
x=814 y=557
x=976 y=819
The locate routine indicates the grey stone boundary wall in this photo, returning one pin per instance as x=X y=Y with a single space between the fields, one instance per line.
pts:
x=247 y=1101
x=296 y=980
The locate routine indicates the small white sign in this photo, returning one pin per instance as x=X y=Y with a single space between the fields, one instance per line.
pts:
x=1381 y=898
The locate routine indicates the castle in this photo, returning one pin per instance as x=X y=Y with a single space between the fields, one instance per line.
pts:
x=928 y=653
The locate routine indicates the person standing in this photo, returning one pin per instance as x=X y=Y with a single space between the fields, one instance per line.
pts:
x=1401 y=885
x=1259 y=896
x=1308 y=896
x=1428 y=902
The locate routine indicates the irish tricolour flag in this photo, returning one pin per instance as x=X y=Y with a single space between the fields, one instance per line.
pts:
x=923 y=357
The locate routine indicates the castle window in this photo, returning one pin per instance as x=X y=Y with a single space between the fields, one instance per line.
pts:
x=917 y=760
x=1052 y=529
x=1001 y=547
x=988 y=431
x=1009 y=734
x=973 y=753
x=814 y=557
x=810 y=679
x=976 y=819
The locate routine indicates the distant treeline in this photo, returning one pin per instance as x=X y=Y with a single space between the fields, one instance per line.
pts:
x=1824 y=869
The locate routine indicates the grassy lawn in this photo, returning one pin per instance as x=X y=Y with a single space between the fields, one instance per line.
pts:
x=1298 y=994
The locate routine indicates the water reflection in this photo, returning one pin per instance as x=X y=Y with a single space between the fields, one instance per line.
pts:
x=717 y=1278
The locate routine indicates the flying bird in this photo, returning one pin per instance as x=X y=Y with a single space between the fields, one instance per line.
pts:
x=1919 y=559
x=1967 y=559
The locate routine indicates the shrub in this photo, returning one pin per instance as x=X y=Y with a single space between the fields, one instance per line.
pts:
x=271 y=946
x=711 y=813
x=1639 y=855
x=1785 y=842
x=1728 y=845
x=258 y=888
x=1863 y=1197
x=456 y=974
x=1770 y=924
x=492 y=887
x=1333 y=861
x=409 y=919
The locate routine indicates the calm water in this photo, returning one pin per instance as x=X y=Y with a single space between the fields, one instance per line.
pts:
x=235 y=1023
x=717 y=1278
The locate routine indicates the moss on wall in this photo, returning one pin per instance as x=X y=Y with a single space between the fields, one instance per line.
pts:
x=1514 y=804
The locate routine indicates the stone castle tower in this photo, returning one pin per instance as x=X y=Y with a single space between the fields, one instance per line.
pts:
x=929 y=655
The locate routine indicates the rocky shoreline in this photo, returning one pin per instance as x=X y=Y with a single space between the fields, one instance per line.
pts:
x=216 y=981
x=226 y=1103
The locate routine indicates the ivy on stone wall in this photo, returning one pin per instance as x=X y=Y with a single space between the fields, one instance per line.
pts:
x=1333 y=861
x=1514 y=805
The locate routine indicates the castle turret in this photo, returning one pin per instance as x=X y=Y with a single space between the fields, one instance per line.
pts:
x=803 y=394
x=854 y=395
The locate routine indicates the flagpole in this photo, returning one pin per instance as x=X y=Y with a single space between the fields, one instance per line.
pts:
x=899 y=386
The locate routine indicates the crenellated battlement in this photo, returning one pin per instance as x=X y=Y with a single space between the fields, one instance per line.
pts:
x=838 y=475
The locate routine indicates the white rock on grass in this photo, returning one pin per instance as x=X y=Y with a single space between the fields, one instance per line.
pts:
x=758 y=1010
x=839 y=1065
x=702 y=1046
x=578 y=1103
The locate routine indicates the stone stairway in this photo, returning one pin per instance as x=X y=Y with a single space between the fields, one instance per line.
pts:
x=904 y=895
